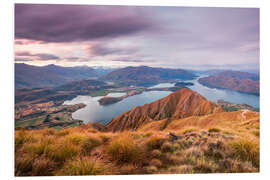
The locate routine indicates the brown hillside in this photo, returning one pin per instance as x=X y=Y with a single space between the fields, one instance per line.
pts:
x=180 y=104
x=237 y=121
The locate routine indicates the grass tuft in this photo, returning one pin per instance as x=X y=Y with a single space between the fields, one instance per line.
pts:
x=23 y=165
x=156 y=163
x=213 y=130
x=89 y=143
x=63 y=151
x=256 y=133
x=85 y=166
x=246 y=150
x=125 y=150
x=167 y=147
x=155 y=142
x=187 y=130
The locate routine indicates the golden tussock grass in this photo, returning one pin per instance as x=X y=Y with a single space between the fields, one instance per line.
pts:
x=213 y=147
x=84 y=166
x=246 y=150
x=124 y=149
x=155 y=142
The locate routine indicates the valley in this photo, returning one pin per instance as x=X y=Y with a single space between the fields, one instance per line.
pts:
x=28 y=98
x=100 y=104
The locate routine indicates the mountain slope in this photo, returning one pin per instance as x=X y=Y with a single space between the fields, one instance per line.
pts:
x=232 y=121
x=27 y=76
x=144 y=75
x=239 y=75
x=180 y=104
x=233 y=80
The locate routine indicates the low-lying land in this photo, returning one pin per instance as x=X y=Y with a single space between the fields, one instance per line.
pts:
x=44 y=115
x=229 y=107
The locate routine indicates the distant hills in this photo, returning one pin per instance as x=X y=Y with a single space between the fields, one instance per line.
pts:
x=239 y=75
x=28 y=76
x=144 y=75
x=180 y=104
x=234 y=80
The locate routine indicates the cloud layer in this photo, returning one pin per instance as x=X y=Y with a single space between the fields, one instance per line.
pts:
x=69 y=23
x=38 y=56
x=176 y=37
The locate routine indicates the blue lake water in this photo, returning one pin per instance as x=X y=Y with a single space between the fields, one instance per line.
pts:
x=93 y=112
x=214 y=94
x=118 y=94
x=162 y=85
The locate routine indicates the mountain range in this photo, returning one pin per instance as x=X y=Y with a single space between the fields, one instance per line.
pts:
x=28 y=76
x=144 y=75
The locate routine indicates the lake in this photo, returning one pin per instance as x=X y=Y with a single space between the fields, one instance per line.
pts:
x=214 y=94
x=93 y=112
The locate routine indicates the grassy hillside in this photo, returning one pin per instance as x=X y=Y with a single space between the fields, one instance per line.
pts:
x=221 y=142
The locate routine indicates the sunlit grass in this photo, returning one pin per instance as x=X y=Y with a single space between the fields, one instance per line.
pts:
x=125 y=150
x=86 y=151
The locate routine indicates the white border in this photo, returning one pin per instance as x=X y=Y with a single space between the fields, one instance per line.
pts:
x=7 y=82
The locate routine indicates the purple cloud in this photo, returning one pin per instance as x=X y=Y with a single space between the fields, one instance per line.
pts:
x=72 y=58
x=21 y=59
x=173 y=37
x=23 y=53
x=102 y=50
x=135 y=58
x=69 y=23
x=43 y=56
x=38 y=56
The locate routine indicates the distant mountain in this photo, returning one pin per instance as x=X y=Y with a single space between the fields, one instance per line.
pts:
x=144 y=75
x=82 y=85
x=101 y=71
x=246 y=73
x=28 y=76
x=180 y=104
x=239 y=75
x=234 y=80
x=73 y=73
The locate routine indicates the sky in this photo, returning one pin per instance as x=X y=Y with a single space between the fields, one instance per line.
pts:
x=118 y=36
